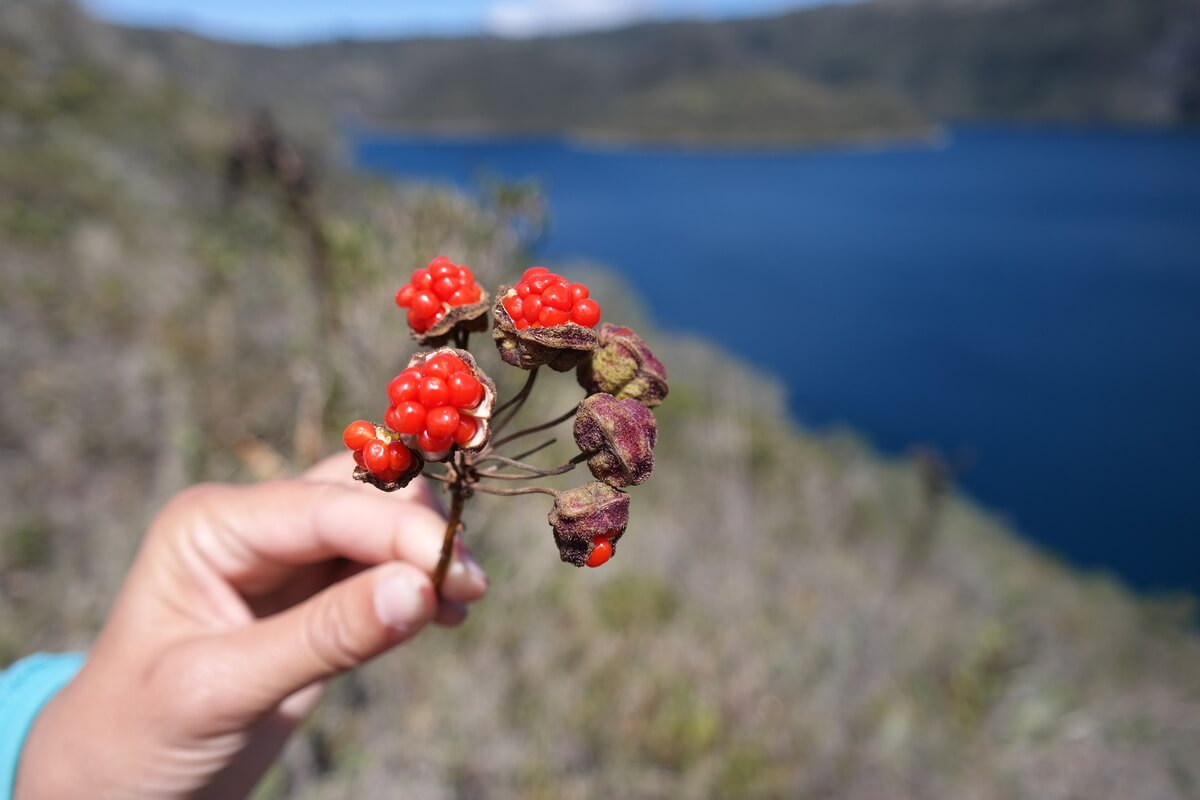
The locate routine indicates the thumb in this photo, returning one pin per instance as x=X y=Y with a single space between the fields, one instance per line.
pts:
x=337 y=629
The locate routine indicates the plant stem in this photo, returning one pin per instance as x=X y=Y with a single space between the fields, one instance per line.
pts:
x=513 y=492
x=459 y=491
x=531 y=451
x=514 y=405
x=517 y=435
x=530 y=470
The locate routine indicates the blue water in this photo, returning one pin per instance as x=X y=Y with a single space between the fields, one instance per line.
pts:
x=1031 y=298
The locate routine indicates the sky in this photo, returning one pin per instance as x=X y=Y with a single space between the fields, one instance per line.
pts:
x=284 y=21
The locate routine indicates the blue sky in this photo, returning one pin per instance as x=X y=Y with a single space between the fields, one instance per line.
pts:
x=290 y=20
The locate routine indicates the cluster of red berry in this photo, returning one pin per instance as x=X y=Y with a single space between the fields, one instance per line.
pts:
x=433 y=291
x=433 y=403
x=602 y=551
x=544 y=300
x=386 y=460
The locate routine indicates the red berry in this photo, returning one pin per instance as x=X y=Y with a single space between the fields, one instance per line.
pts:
x=418 y=324
x=443 y=269
x=460 y=297
x=522 y=324
x=405 y=295
x=422 y=279
x=557 y=296
x=514 y=306
x=432 y=444
x=403 y=387
x=433 y=392
x=467 y=427
x=465 y=390
x=358 y=459
x=529 y=273
x=474 y=293
x=408 y=417
x=539 y=282
x=532 y=308
x=425 y=304
x=586 y=313
x=601 y=551
x=465 y=275
x=438 y=260
x=440 y=366
x=445 y=288
x=399 y=459
x=551 y=317
x=577 y=291
x=357 y=434
x=441 y=423
x=375 y=456
x=524 y=289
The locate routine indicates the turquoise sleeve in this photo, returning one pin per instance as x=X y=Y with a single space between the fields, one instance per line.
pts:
x=25 y=688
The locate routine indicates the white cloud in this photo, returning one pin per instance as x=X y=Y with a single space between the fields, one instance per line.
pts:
x=519 y=18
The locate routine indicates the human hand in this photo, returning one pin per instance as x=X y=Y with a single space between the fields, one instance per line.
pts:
x=241 y=602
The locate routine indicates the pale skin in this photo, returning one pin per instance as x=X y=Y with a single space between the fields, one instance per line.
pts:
x=241 y=604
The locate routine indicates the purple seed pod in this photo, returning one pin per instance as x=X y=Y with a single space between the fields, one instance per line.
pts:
x=581 y=515
x=619 y=437
x=624 y=367
x=561 y=347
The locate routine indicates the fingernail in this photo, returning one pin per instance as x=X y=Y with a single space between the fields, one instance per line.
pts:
x=399 y=603
x=466 y=565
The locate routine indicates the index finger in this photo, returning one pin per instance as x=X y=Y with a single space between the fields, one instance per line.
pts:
x=298 y=522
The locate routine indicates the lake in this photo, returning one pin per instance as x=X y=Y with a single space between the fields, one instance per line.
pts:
x=1028 y=297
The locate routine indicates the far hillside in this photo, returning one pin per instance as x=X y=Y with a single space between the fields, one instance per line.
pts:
x=878 y=69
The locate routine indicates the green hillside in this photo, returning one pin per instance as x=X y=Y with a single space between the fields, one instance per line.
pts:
x=889 y=67
x=789 y=616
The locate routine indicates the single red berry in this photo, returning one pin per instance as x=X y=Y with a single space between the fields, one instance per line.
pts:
x=586 y=313
x=532 y=308
x=467 y=427
x=529 y=273
x=437 y=317
x=433 y=392
x=375 y=456
x=465 y=275
x=550 y=317
x=540 y=282
x=441 y=423
x=417 y=323
x=557 y=296
x=601 y=551
x=445 y=288
x=524 y=289
x=443 y=269
x=358 y=459
x=399 y=458
x=474 y=293
x=442 y=365
x=438 y=260
x=432 y=444
x=577 y=291
x=422 y=279
x=405 y=295
x=357 y=434
x=465 y=390
x=514 y=306
x=403 y=387
x=425 y=304
x=408 y=417
x=460 y=297
x=522 y=324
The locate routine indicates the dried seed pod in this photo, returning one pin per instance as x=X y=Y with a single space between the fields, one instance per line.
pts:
x=581 y=516
x=561 y=347
x=624 y=367
x=619 y=435
x=470 y=318
x=482 y=412
x=415 y=468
